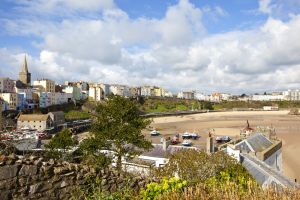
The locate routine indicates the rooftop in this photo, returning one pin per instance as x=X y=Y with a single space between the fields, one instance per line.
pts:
x=158 y=152
x=255 y=143
x=33 y=117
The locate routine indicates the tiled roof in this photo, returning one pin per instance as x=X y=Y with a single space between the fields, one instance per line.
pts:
x=158 y=152
x=259 y=142
x=33 y=117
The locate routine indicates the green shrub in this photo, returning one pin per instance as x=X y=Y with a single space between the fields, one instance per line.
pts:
x=153 y=189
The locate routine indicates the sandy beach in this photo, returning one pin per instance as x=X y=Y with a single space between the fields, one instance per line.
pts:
x=230 y=123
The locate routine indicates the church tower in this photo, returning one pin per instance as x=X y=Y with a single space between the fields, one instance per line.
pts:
x=24 y=75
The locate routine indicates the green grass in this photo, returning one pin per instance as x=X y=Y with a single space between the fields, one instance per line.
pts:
x=217 y=107
x=182 y=107
x=76 y=114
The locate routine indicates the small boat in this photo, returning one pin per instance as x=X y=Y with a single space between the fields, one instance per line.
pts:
x=186 y=143
x=223 y=139
x=194 y=136
x=175 y=139
x=186 y=135
x=154 y=133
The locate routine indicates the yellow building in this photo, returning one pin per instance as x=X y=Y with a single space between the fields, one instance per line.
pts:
x=45 y=85
x=159 y=92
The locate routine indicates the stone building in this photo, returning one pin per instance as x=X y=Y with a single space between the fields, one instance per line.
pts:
x=7 y=85
x=35 y=121
x=24 y=75
x=58 y=118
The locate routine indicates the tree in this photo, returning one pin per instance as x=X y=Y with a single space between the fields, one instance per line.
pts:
x=117 y=127
x=60 y=144
x=197 y=166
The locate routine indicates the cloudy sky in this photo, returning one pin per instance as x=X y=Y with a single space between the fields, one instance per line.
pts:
x=208 y=45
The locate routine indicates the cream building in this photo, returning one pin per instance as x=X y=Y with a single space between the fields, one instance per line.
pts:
x=35 y=121
x=11 y=99
x=96 y=93
x=159 y=92
x=45 y=85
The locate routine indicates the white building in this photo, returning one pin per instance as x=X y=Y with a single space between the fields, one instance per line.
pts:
x=47 y=99
x=62 y=98
x=120 y=90
x=96 y=93
x=200 y=96
x=186 y=95
x=75 y=92
x=27 y=92
x=147 y=91
x=291 y=95
x=168 y=94
x=267 y=97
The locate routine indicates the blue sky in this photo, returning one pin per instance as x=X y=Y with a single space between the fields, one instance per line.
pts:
x=222 y=45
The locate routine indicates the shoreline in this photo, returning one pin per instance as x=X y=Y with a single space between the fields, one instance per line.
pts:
x=287 y=128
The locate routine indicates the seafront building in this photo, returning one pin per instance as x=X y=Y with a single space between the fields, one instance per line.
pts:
x=186 y=95
x=20 y=94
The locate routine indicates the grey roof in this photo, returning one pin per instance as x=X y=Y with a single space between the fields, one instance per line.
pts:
x=28 y=144
x=263 y=172
x=259 y=142
x=158 y=152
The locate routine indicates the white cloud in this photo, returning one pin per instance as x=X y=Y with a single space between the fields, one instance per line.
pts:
x=265 y=6
x=174 y=51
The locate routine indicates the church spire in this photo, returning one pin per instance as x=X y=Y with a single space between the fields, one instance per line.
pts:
x=24 y=75
x=24 y=67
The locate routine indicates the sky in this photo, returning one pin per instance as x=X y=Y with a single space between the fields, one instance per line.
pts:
x=234 y=46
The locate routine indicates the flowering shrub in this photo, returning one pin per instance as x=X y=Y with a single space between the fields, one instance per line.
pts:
x=153 y=189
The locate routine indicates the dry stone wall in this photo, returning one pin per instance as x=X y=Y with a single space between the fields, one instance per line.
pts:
x=34 y=178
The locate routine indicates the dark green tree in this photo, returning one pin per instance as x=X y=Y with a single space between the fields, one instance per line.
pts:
x=117 y=127
x=60 y=144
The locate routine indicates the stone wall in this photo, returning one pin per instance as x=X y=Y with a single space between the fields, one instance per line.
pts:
x=34 y=178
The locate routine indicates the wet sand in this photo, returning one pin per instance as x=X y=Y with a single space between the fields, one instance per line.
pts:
x=230 y=123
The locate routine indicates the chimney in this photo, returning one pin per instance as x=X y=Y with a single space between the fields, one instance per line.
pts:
x=165 y=144
x=210 y=145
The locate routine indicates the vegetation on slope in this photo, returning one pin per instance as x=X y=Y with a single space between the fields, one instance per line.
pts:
x=117 y=127
x=255 y=104
x=150 y=105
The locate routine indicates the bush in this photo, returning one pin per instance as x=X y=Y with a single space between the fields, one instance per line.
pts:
x=153 y=189
x=197 y=166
